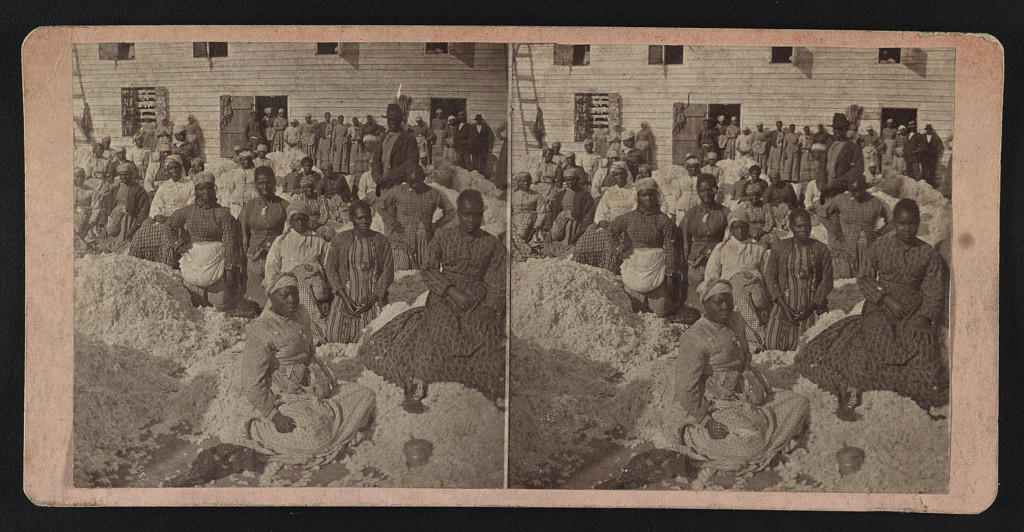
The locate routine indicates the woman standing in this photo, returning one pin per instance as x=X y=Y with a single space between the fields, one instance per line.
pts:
x=361 y=268
x=857 y=213
x=799 y=277
x=895 y=343
x=703 y=228
x=458 y=335
x=315 y=206
x=303 y=415
x=408 y=214
x=262 y=220
x=280 y=125
x=302 y=253
x=732 y=132
x=718 y=409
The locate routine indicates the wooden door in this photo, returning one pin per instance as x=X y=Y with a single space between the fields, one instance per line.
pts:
x=234 y=116
x=686 y=126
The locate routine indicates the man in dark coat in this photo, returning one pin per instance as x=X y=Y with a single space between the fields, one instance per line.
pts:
x=465 y=140
x=845 y=160
x=913 y=149
x=482 y=143
x=930 y=154
x=396 y=153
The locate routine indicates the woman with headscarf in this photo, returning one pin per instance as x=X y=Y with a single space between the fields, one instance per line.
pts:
x=325 y=141
x=741 y=261
x=315 y=207
x=458 y=335
x=293 y=135
x=527 y=215
x=791 y=155
x=162 y=171
x=123 y=208
x=236 y=186
x=759 y=214
x=598 y=246
x=408 y=213
x=854 y=216
x=262 y=220
x=812 y=161
x=896 y=342
x=899 y=145
x=448 y=140
x=799 y=280
x=648 y=236
x=156 y=241
x=645 y=143
x=339 y=145
x=302 y=253
x=277 y=142
x=360 y=158
x=570 y=211
x=744 y=143
x=212 y=265
x=261 y=157
x=303 y=414
x=717 y=409
x=703 y=227
x=732 y=132
x=361 y=268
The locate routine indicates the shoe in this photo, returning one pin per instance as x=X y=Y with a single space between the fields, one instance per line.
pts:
x=414 y=395
x=847 y=403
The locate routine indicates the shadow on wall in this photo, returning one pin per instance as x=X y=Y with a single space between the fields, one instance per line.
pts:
x=349 y=51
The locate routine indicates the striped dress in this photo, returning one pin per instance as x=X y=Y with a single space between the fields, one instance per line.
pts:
x=362 y=266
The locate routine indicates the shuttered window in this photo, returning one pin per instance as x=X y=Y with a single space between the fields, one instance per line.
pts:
x=140 y=107
x=326 y=48
x=664 y=55
x=117 y=51
x=572 y=54
x=595 y=111
x=209 y=49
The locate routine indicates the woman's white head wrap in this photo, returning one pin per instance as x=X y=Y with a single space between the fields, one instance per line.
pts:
x=283 y=280
x=648 y=183
x=719 y=286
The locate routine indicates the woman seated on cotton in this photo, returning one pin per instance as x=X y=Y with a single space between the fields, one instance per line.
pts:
x=598 y=247
x=303 y=415
x=527 y=215
x=650 y=272
x=302 y=253
x=896 y=343
x=799 y=280
x=759 y=214
x=570 y=212
x=741 y=262
x=316 y=206
x=719 y=410
x=360 y=268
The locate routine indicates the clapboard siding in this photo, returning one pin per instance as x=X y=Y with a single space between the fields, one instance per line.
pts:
x=361 y=82
x=822 y=82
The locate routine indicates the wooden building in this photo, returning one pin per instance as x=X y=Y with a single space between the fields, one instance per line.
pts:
x=566 y=92
x=127 y=86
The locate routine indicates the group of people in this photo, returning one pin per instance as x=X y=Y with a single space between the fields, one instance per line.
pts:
x=319 y=272
x=746 y=286
x=802 y=156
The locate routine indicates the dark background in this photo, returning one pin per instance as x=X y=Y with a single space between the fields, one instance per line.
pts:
x=1004 y=20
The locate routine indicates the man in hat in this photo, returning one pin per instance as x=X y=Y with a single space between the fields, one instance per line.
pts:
x=463 y=142
x=930 y=152
x=437 y=126
x=844 y=160
x=913 y=151
x=396 y=153
x=482 y=142
x=139 y=154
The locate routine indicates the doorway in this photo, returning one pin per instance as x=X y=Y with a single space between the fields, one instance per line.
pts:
x=728 y=110
x=448 y=107
x=273 y=102
x=900 y=116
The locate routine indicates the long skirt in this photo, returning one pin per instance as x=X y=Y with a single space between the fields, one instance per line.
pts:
x=277 y=144
x=558 y=243
x=761 y=159
x=439 y=343
x=849 y=256
x=342 y=325
x=757 y=434
x=324 y=153
x=323 y=427
x=874 y=351
x=317 y=320
x=791 y=166
x=782 y=333
x=887 y=156
x=729 y=151
x=309 y=149
x=598 y=247
x=750 y=298
x=775 y=161
x=357 y=159
x=255 y=273
x=411 y=255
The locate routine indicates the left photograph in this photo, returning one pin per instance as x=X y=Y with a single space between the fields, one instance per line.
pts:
x=290 y=264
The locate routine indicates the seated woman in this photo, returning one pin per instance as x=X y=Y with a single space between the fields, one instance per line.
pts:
x=719 y=409
x=759 y=214
x=649 y=273
x=527 y=215
x=741 y=261
x=262 y=221
x=703 y=227
x=333 y=187
x=302 y=253
x=408 y=213
x=87 y=205
x=851 y=218
x=303 y=414
x=156 y=241
x=782 y=198
x=741 y=188
x=799 y=278
x=458 y=336
x=123 y=209
x=211 y=267
x=317 y=208
x=895 y=343
x=570 y=212
x=597 y=246
x=360 y=268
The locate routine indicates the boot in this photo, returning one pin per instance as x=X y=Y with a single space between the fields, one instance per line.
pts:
x=414 y=395
x=848 y=401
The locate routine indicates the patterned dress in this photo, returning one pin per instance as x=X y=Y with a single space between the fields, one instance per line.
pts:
x=304 y=256
x=362 y=266
x=599 y=247
x=856 y=223
x=438 y=342
x=261 y=221
x=408 y=217
x=743 y=263
x=875 y=350
x=527 y=216
x=702 y=229
x=798 y=274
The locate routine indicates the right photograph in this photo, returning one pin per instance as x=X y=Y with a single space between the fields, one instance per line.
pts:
x=730 y=267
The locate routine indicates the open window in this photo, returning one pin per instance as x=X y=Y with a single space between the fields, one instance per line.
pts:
x=889 y=55
x=448 y=107
x=665 y=55
x=900 y=116
x=209 y=49
x=782 y=54
x=728 y=110
x=326 y=48
x=572 y=54
x=436 y=48
x=117 y=51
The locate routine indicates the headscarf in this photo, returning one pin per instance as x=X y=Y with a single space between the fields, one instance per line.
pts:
x=245 y=154
x=735 y=215
x=261 y=148
x=307 y=179
x=282 y=281
x=648 y=183
x=203 y=177
x=718 y=286
x=628 y=134
x=174 y=159
x=126 y=167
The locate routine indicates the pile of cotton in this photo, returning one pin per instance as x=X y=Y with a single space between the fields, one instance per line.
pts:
x=735 y=169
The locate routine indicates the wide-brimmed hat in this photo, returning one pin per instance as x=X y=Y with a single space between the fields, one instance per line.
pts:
x=394 y=112
x=478 y=117
x=839 y=121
